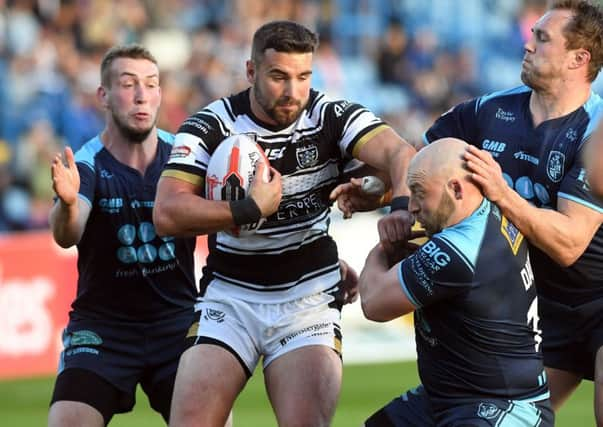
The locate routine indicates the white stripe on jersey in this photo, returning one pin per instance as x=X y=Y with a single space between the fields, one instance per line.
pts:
x=317 y=281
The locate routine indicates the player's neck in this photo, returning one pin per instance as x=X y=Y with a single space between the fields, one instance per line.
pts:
x=135 y=155
x=558 y=101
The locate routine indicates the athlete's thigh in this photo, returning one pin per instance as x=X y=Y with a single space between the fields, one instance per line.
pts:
x=208 y=380
x=82 y=398
x=411 y=409
x=166 y=342
x=561 y=385
x=74 y=414
x=303 y=386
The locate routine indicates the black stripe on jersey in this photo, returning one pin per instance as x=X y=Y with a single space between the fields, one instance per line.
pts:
x=228 y=109
x=263 y=268
x=301 y=222
x=313 y=103
x=275 y=287
x=322 y=186
x=283 y=248
x=223 y=128
x=200 y=163
x=352 y=144
x=353 y=118
x=185 y=168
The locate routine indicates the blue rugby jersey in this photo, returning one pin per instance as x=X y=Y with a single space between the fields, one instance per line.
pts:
x=126 y=271
x=476 y=317
x=542 y=164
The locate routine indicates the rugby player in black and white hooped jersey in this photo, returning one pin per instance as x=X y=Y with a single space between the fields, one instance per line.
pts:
x=135 y=290
x=277 y=294
x=472 y=292
x=531 y=166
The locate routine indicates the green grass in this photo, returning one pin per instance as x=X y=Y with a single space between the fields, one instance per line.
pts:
x=366 y=388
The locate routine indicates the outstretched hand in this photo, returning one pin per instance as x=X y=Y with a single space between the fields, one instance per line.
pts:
x=65 y=178
x=487 y=173
x=352 y=198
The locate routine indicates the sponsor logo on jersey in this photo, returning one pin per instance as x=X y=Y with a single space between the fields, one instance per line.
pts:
x=555 y=166
x=275 y=153
x=83 y=337
x=317 y=329
x=198 y=123
x=307 y=156
x=179 y=152
x=340 y=107
x=522 y=155
x=435 y=253
x=142 y=203
x=494 y=147
x=111 y=205
x=571 y=134
x=512 y=234
x=488 y=410
x=105 y=174
x=505 y=116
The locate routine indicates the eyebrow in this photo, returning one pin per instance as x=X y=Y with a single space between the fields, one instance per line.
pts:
x=128 y=74
x=283 y=73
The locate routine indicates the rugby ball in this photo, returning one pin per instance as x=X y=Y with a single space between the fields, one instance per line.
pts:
x=230 y=172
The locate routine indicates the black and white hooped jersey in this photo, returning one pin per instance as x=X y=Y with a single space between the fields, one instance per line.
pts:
x=291 y=255
x=476 y=317
x=542 y=164
x=126 y=271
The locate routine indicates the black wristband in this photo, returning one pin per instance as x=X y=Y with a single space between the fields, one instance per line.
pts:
x=245 y=211
x=399 y=203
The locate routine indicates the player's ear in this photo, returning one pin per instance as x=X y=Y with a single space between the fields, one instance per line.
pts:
x=250 y=71
x=456 y=188
x=102 y=96
x=580 y=58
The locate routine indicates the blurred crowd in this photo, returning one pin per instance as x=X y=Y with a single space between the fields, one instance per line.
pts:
x=408 y=60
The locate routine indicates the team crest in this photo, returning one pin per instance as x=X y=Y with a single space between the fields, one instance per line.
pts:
x=512 y=234
x=307 y=156
x=215 y=315
x=555 y=166
x=488 y=410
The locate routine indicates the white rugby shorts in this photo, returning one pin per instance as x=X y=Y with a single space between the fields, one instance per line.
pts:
x=250 y=330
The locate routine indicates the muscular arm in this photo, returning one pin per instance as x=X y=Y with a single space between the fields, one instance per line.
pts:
x=180 y=210
x=381 y=295
x=563 y=234
x=387 y=152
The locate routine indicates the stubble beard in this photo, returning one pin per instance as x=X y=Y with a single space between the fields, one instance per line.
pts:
x=444 y=211
x=130 y=134
x=283 y=119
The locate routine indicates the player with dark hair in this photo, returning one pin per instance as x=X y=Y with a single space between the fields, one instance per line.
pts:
x=471 y=289
x=136 y=290
x=277 y=294
x=533 y=138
